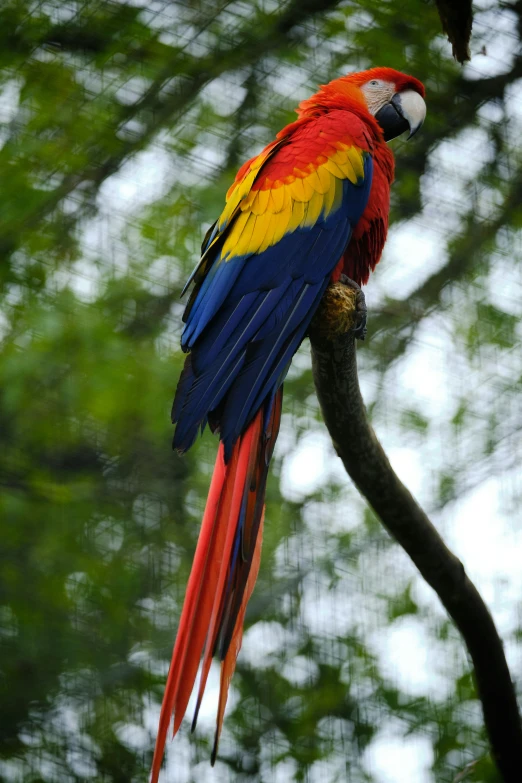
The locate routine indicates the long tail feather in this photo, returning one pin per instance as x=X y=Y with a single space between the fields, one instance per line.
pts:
x=191 y=613
x=223 y=575
x=228 y=665
x=248 y=446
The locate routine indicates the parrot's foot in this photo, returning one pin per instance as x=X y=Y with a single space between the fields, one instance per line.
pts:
x=342 y=311
x=361 y=311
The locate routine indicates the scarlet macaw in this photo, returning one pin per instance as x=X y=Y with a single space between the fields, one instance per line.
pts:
x=312 y=206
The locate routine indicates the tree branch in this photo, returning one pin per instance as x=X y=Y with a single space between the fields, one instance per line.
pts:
x=335 y=374
x=457 y=18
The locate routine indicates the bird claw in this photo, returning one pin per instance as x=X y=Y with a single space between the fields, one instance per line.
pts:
x=361 y=310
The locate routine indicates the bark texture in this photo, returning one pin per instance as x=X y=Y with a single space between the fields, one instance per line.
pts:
x=335 y=375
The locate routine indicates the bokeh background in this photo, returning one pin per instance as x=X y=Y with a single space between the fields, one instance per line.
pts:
x=121 y=127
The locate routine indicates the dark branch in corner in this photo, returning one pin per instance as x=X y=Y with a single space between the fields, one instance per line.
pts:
x=457 y=19
x=335 y=375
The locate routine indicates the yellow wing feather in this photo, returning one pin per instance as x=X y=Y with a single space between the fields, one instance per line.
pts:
x=325 y=178
x=279 y=191
x=261 y=202
x=357 y=161
x=281 y=224
x=329 y=196
x=238 y=241
x=301 y=190
x=261 y=218
x=268 y=238
x=334 y=169
x=261 y=229
x=315 y=207
x=298 y=215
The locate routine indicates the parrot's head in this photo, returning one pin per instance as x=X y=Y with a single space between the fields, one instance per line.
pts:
x=395 y=99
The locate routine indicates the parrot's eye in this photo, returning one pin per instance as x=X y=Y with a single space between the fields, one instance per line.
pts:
x=374 y=82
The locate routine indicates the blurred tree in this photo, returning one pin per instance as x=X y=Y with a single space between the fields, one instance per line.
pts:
x=121 y=125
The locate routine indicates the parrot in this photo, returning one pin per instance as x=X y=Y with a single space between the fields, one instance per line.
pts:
x=311 y=207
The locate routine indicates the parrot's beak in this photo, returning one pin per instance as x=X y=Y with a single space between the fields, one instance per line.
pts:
x=405 y=111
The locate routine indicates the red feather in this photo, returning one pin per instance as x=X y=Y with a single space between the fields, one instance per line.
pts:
x=248 y=455
x=196 y=610
x=229 y=664
x=204 y=614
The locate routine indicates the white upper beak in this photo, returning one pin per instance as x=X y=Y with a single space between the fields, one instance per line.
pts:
x=413 y=109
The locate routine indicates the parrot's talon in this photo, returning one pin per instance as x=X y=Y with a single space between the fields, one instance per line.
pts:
x=361 y=317
x=361 y=331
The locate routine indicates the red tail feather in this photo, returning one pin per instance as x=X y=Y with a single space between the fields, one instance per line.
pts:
x=248 y=445
x=228 y=665
x=192 y=613
x=223 y=575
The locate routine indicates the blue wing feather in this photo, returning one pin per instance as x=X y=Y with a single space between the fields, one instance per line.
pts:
x=269 y=356
x=250 y=315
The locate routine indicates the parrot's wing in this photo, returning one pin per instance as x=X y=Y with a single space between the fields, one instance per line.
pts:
x=239 y=190
x=284 y=228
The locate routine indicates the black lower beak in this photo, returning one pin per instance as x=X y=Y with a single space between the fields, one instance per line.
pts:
x=391 y=119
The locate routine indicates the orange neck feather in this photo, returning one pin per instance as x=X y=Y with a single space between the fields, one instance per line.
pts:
x=338 y=94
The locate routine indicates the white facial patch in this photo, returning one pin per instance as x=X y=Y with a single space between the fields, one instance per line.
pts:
x=377 y=93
